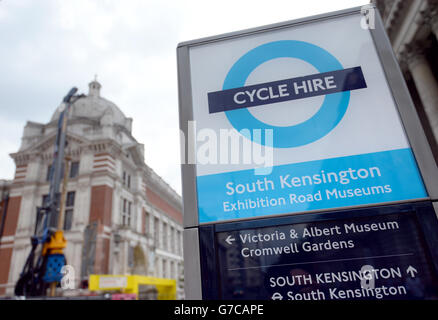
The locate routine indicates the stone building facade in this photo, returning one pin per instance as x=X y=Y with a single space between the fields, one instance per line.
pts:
x=412 y=27
x=120 y=216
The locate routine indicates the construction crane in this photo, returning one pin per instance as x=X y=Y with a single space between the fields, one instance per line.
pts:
x=43 y=266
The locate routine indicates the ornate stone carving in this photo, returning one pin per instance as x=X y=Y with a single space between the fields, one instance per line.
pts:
x=413 y=53
x=392 y=15
x=429 y=16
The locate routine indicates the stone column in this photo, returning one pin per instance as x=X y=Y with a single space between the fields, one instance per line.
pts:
x=425 y=81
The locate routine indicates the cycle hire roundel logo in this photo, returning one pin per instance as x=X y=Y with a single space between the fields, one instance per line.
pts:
x=333 y=81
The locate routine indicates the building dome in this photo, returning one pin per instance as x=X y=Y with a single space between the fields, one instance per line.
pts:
x=95 y=107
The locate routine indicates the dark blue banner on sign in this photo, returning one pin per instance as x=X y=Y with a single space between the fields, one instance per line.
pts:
x=288 y=89
x=376 y=257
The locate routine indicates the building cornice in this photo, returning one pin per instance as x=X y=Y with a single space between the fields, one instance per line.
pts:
x=162 y=188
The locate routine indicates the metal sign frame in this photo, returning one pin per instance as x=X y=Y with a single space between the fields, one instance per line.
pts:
x=408 y=115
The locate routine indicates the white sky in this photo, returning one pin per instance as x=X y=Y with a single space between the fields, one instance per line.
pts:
x=49 y=46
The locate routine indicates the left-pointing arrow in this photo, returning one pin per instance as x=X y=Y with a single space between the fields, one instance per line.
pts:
x=230 y=239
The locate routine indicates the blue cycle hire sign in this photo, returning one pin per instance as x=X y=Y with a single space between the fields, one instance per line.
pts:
x=350 y=151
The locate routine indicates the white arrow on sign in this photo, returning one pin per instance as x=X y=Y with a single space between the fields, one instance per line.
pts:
x=230 y=239
x=412 y=271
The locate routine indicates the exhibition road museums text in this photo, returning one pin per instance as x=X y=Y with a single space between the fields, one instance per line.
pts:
x=289 y=182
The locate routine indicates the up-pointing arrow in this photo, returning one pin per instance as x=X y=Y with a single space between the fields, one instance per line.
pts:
x=412 y=271
x=230 y=239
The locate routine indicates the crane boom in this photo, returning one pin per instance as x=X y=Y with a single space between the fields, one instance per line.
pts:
x=48 y=242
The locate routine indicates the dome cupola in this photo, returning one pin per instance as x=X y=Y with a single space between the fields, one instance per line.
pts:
x=93 y=106
x=94 y=88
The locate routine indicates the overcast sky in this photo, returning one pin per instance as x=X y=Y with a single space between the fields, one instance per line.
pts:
x=49 y=46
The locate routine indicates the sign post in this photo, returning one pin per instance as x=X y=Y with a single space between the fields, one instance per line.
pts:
x=290 y=131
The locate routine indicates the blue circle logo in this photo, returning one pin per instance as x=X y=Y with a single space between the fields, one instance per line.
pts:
x=319 y=125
